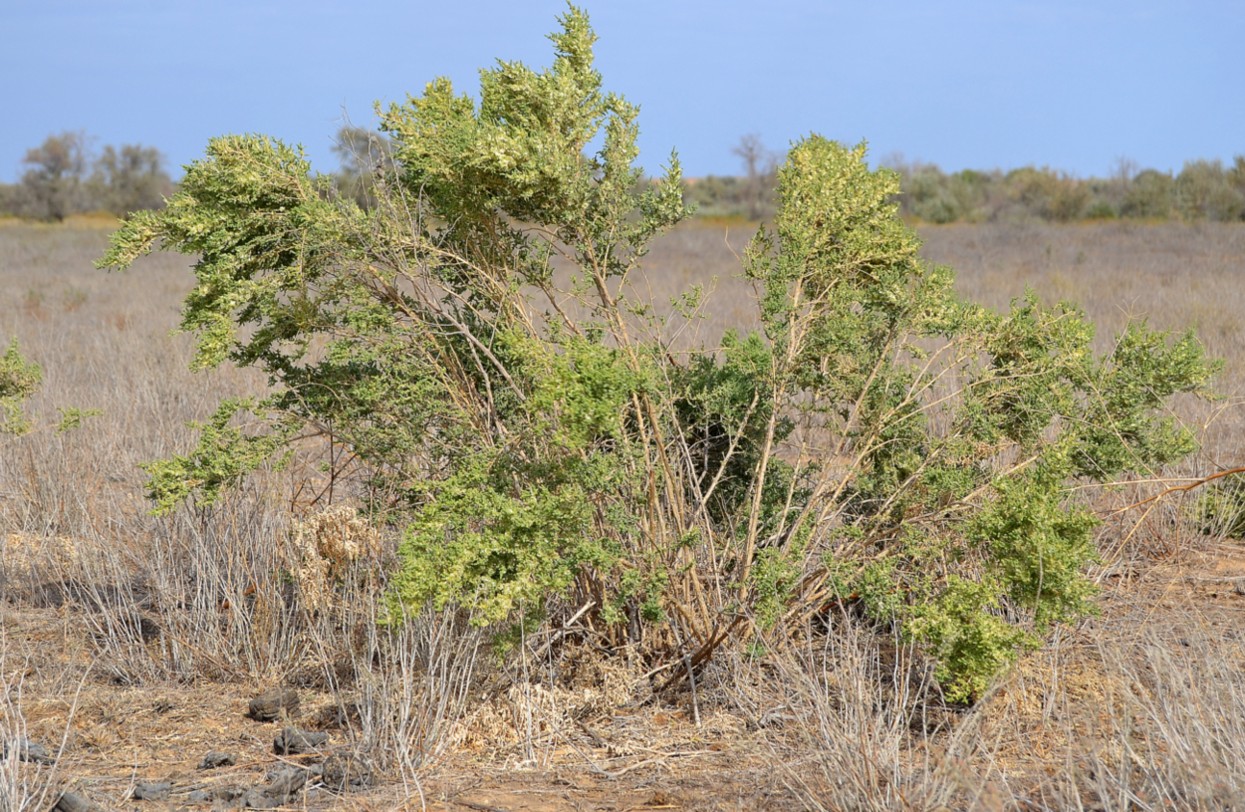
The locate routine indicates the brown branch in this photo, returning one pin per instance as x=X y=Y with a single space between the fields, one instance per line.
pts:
x=1179 y=489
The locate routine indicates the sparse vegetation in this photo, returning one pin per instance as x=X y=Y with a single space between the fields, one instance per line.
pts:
x=19 y=379
x=1201 y=191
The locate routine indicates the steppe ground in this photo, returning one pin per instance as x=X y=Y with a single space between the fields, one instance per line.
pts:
x=1137 y=708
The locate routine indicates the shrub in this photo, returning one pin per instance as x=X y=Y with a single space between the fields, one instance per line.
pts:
x=19 y=379
x=1221 y=510
x=497 y=391
x=1204 y=191
x=1150 y=195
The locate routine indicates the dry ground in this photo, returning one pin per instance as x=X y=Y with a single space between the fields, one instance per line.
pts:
x=1138 y=708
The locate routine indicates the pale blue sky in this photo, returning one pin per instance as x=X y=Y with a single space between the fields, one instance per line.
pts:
x=1071 y=84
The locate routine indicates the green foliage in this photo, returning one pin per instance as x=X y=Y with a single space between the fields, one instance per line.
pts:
x=1037 y=545
x=963 y=431
x=484 y=378
x=1203 y=190
x=488 y=545
x=968 y=635
x=19 y=379
x=223 y=455
x=1221 y=509
x=72 y=418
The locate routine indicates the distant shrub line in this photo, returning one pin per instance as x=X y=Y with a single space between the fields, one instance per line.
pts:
x=63 y=177
x=1204 y=190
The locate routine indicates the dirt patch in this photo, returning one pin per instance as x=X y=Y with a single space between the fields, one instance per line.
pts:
x=111 y=739
x=580 y=745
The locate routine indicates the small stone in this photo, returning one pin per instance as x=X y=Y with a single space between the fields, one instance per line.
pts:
x=216 y=759
x=74 y=802
x=342 y=772
x=30 y=751
x=293 y=741
x=148 y=629
x=257 y=798
x=272 y=705
x=285 y=783
x=152 y=791
x=227 y=794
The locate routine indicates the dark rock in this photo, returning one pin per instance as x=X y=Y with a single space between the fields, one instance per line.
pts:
x=337 y=716
x=284 y=784
x=293 y=741
x=345 y=771
x=152 y=791
x=74 y=802
x=149 y=629
x=50 y=595
x=309 y=771
x=227 y=794
x=215 y=759
x=286 y=781
x=256 y=798
x=30 y=751
x=272 y=705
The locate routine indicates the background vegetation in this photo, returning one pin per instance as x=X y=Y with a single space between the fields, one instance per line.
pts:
x=1203 y=190
x=63 y=177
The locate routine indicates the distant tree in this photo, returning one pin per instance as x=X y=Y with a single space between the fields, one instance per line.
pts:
x=51 y=188
x=1204 y=192
x=129 y=179
x=362 y=154
x=1236 y=175
x=1150 y=195
x=1107 y=194
x=760 y=166
x=936 y=197
x=716 y=195
x=1048 y=194
x=8 y=198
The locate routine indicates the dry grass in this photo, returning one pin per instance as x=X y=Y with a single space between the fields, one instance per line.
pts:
x=110 y=614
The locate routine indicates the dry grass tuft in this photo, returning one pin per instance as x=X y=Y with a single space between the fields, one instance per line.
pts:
x=329 y=545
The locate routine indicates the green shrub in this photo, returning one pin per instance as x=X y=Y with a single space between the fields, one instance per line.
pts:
x=19 y=379
x=1221 y=510
x=497 y=392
